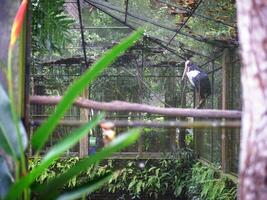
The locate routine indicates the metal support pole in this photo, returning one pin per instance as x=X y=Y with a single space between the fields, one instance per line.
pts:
x=82 y=32
x=83 y=147
x=180 y=28
x=126 y=10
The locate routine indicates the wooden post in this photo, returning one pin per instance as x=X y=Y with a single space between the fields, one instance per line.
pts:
x=226 y=104
x=170 y=102
x=195 y=135
x=181 y=138
x=139 y=73
x=83 y=150
x=212 y=106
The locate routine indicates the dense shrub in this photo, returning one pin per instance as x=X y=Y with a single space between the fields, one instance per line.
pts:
x=208 y=183
x=178 y=176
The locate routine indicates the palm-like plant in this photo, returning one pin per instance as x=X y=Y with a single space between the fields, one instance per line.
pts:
x=50 y=26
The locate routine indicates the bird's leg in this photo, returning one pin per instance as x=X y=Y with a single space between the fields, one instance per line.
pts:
x=199 y=99
x=201 y=103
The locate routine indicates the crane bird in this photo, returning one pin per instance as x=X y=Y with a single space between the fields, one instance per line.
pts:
x=200 y=81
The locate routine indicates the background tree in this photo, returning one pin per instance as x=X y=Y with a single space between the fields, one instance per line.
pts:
x=252 y=26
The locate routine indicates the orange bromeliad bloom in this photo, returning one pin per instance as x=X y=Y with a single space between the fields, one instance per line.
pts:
x=17 y=24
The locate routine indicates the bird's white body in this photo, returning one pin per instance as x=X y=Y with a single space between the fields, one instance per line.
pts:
x=191 y=75
x=199 y=79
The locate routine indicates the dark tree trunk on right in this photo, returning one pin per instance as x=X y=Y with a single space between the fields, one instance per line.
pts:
x=252 y=24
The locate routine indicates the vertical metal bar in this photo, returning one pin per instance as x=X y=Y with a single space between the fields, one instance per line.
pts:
x=82 y=32
x=194 y=98
x=212 y=85
x=126 y=10
x=141 y=140
x=212 y=106
x=180 y=28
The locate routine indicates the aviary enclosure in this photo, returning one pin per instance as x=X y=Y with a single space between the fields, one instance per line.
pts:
x=148 y=73
x=144 y=86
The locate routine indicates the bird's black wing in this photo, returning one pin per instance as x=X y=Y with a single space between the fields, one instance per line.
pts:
x=202 y=84
x=195 y=67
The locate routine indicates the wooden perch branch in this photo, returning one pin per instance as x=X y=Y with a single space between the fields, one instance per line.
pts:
x=117 y=106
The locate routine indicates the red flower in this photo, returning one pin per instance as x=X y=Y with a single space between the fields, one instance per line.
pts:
x=17 y=24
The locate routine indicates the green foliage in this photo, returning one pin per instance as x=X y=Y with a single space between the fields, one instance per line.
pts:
x=86 y=188
x=176 y=176
x=206 y=183
x=50 y=26
x=189 y=139
x=139 y=178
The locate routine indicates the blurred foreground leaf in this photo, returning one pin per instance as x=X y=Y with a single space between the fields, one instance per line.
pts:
x=9 y=142
x=86 y=188
x=5 y=178
x=55 y=152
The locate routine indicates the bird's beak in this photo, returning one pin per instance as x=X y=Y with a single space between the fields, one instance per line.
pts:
x=185 y=70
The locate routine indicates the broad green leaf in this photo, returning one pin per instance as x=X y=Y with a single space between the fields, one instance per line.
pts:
x=119 y=143
x=87 y=188
x=5 y=178
x=51 y=156
x=42 y=134
x=8 y=136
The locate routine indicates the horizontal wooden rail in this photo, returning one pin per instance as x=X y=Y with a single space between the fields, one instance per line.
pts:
x=121 y=106
x=156 y=124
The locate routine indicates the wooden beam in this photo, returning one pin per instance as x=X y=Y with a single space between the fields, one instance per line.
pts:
x=226 y=104
x=84 y=116
x=136 y=155
x=119 y=106
x=170 y=101
x=155 y=124
x=182 y=102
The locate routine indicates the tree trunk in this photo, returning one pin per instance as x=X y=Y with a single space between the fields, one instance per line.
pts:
x=252 y=26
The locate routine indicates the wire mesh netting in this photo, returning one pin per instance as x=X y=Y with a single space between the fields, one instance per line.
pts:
x=150 y=72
